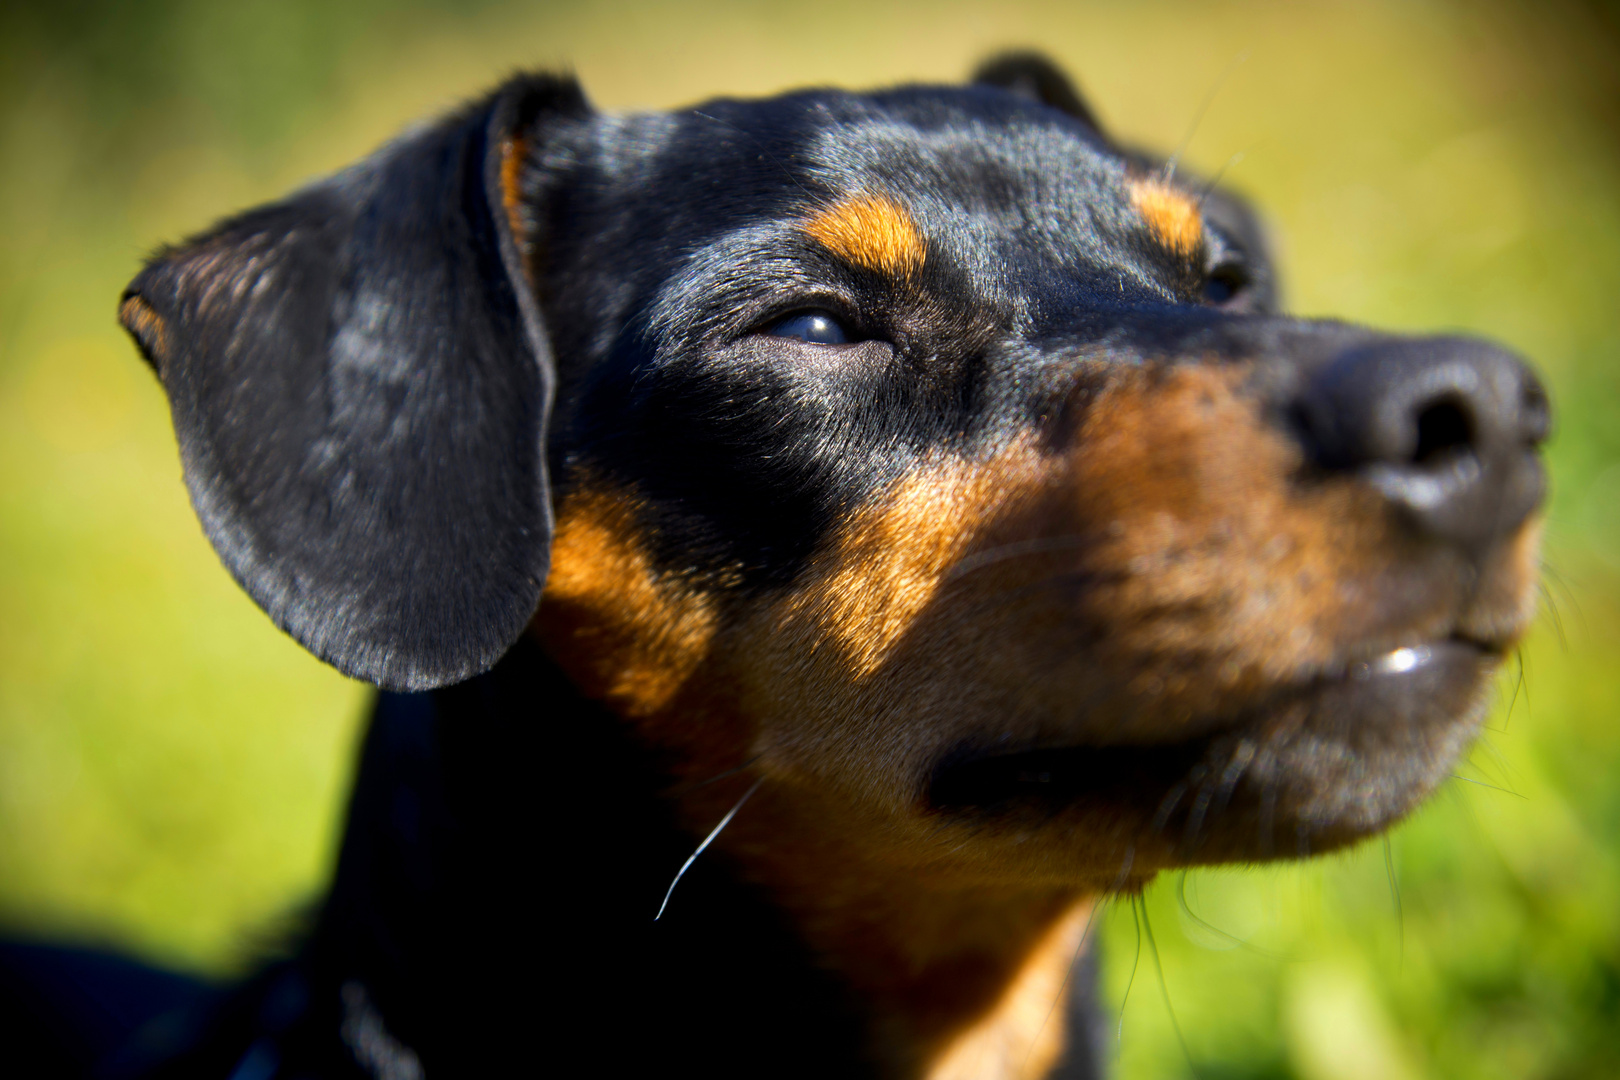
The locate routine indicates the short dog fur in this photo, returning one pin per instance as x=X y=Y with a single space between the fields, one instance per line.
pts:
x=918 y=477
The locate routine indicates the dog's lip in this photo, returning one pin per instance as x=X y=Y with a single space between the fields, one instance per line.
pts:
x=976 y=775
x=1406 y=659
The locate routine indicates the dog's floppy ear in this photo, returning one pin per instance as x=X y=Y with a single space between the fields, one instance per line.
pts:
x=1034 y=76
x=360 y=380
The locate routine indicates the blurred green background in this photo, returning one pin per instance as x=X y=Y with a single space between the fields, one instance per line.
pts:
x=171 y=768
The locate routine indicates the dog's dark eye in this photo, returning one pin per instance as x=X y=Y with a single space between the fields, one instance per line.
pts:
x=1224 y=282
x=814 y=327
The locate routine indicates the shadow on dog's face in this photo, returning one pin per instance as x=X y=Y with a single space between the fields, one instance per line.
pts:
x=921 y=453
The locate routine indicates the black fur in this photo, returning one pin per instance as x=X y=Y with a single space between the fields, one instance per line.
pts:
x=360 y=381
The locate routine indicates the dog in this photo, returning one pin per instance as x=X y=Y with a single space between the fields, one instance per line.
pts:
x=813 y=550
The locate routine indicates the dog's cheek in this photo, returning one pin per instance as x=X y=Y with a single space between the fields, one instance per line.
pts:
x=628 y=636
x=1219 y=570
x=864 y=672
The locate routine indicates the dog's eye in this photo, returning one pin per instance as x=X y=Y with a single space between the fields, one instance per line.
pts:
x=814 y=327
x=1225 y=282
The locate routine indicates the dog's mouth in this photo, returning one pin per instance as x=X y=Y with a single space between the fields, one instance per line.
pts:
x=1311 y=767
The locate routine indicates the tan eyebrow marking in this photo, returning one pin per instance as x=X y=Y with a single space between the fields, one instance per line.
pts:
x=871 y=231
x=1171 y=215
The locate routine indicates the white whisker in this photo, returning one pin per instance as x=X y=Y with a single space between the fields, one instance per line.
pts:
x=707 y=840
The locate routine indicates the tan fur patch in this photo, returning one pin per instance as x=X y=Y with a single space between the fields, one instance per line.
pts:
x=147 y=325
x=629 y=636
x=888 y=566
x=1022 y=1037
x=1506 y=600
x=957 y=978
x=514 y=151
x=1171 y=215
x=870 y=231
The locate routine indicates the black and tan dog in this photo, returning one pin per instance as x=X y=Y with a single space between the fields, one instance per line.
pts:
x=915 y=480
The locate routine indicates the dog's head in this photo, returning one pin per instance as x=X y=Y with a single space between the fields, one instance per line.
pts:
x=922 y=452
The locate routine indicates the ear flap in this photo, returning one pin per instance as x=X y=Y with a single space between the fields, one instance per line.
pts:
x=360 y=381
x=1030 y=75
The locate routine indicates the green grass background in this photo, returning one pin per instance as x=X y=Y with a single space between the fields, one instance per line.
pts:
x=171 y=768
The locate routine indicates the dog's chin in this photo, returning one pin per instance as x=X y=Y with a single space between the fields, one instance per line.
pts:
x=1312 y=768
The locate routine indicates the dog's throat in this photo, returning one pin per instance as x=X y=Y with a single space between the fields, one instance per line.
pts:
x=951 y=979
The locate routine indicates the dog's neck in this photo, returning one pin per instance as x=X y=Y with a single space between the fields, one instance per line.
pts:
x=952 y=979
x=508 y=847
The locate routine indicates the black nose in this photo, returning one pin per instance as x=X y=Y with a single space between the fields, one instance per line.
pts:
x=1446 y=428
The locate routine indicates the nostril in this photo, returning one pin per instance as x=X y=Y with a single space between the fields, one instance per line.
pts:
x=1444 y=430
